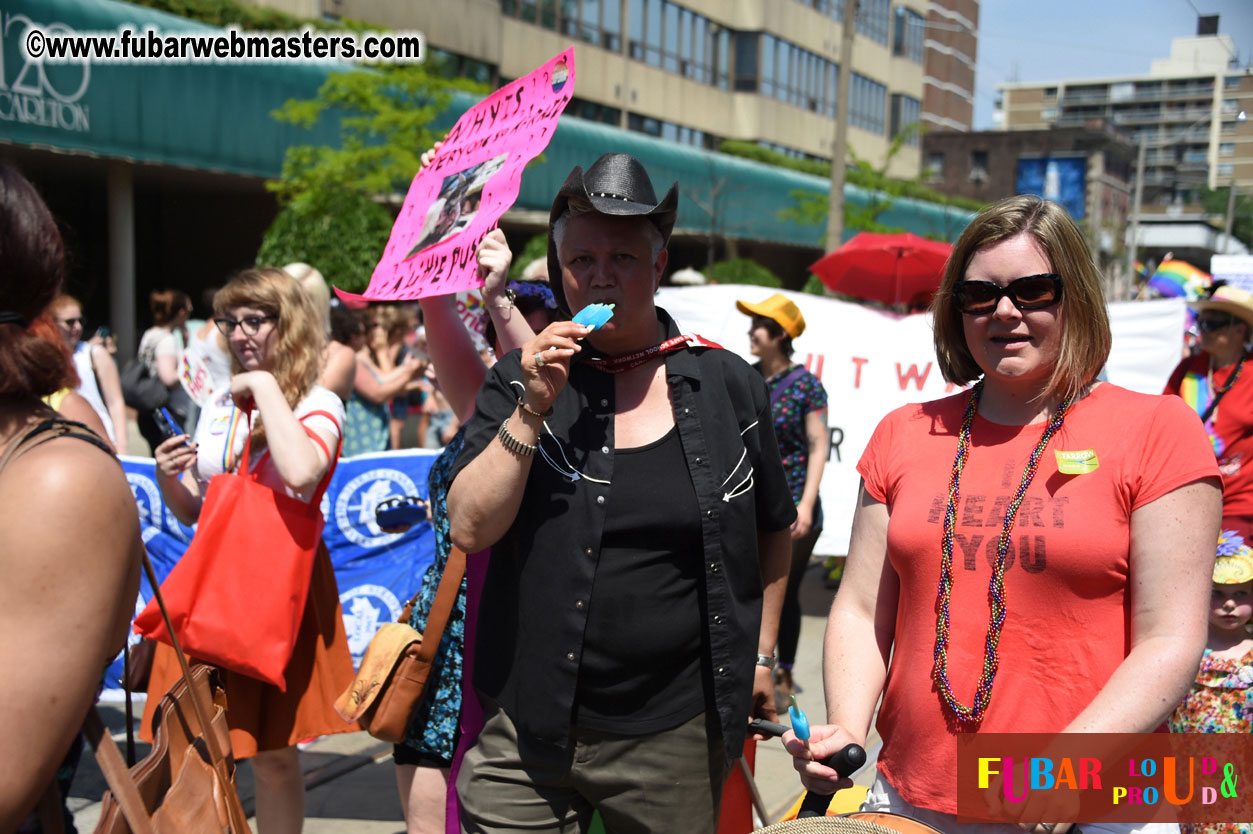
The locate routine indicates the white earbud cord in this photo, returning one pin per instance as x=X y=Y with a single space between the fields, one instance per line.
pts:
x=569 y=473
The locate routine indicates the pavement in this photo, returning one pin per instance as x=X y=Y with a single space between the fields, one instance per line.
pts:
x=350 y=778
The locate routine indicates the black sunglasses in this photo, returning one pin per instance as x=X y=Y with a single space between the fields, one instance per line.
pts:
x=1032 y=292
x=1212 y=324
x=72 y=322
x=250 y=324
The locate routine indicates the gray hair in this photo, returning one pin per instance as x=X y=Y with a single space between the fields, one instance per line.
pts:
x=577 y=207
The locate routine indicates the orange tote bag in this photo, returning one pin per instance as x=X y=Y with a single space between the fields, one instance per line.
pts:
x=237 y=596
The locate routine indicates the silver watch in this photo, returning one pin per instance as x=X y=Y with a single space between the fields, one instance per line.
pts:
x=767 y=660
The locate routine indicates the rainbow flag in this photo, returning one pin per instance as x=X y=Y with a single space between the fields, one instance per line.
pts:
x=1179 y=279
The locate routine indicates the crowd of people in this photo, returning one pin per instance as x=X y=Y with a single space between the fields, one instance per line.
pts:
x=638 y=507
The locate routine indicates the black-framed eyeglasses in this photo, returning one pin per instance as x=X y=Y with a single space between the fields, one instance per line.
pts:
x=1031 y=292
x=250 y=324
x=1212 y=324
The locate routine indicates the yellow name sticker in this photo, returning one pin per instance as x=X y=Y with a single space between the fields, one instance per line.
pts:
x=1077 y=463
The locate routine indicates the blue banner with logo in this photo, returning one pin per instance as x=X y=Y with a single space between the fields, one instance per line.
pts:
x=377 y=572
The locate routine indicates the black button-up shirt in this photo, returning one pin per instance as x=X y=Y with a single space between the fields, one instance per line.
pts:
x=540 y=576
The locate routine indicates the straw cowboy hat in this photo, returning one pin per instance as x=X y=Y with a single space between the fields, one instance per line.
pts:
x=1229 y=299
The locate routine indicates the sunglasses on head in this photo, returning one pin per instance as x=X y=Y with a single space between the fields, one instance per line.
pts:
x=250 y=324
x=1212 y=324
x=1033 y=292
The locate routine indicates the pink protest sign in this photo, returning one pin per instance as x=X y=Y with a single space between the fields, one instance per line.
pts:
x=473 y=179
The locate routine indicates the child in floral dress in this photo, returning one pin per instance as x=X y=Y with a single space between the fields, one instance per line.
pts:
x=1221 y=699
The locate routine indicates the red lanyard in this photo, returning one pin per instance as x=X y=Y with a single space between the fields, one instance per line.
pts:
x=618 y=364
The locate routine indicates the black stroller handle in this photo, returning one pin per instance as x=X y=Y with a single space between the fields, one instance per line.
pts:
x=845 y=762
x=767 y=728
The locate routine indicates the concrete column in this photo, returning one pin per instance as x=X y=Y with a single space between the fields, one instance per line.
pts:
x=122 y=257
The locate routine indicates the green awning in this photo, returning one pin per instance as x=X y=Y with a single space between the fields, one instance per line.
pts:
x=208 y=116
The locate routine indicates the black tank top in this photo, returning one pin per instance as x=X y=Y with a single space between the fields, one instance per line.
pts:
x=641 y=668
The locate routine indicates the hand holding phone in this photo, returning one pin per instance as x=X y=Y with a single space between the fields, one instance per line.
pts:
x=168 y=425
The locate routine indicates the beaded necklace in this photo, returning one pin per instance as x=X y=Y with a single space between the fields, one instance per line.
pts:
x=996 y=587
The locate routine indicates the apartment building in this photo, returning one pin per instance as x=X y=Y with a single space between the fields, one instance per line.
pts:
x=699 y=71
x=949 y=51
x=1189 y=110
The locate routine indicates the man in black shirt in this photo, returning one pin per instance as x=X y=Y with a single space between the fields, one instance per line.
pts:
x=628 y=482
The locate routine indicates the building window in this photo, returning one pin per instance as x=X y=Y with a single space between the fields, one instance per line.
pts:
x=874 y=20
x=908 y=35
x=796 y=76
x=935 y=165
x=979 y=166
x=594 y=112
x=1231 y=82
x=611 y=25
x=663 y=34
x=867 y=104
x=1231 y=105
x=1226 y=169
x=1229 y=127
x=1050 y=92
x=671 y=132
x=1227 y=149
x=906 y=111
x=746 y=45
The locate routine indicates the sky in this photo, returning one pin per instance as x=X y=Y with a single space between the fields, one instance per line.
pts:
x=1052 y=40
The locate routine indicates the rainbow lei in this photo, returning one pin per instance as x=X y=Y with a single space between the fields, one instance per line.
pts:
x=996 y=587
x=1195 y=390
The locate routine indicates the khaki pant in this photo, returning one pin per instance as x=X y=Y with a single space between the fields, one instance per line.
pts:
x=668 y=781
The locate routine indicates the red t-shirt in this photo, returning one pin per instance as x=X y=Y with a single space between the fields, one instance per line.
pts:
x=1067 y=626
x=1230 y=426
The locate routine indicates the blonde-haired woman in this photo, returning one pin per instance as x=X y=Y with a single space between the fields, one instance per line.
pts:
x=1032 y=555
x=339 y=363
x=276 y=337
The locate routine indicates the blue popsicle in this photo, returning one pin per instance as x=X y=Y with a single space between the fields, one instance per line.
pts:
x=594 y=315
x=800 y=724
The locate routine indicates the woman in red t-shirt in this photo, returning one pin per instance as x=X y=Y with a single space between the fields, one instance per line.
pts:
x=1215 y=383
x=1000 y=532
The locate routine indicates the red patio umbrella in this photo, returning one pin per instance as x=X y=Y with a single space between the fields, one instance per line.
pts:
x=894 y=269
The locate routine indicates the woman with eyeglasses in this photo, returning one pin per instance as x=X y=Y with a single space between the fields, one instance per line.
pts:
x=1215 y=383
x=275 y=335
x=1031 y=554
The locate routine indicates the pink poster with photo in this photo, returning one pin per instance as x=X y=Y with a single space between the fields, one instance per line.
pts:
x=473 y=179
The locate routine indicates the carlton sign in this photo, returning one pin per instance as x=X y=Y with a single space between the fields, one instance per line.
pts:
x=35 y=94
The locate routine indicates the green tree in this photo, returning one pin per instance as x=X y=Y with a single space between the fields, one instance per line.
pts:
x=536 y=247
x=334 y=200
x=1215 y=204
x=742 y=271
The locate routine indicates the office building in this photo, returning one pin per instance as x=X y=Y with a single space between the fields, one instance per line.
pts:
x=699 y=71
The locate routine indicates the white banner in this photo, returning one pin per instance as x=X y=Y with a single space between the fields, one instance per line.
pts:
x=872 y=362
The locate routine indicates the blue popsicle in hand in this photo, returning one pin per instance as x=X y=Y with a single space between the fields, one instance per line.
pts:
x=594 y=315
x=800 y=724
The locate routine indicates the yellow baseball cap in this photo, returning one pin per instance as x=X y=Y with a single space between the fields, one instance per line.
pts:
x=779 y=308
